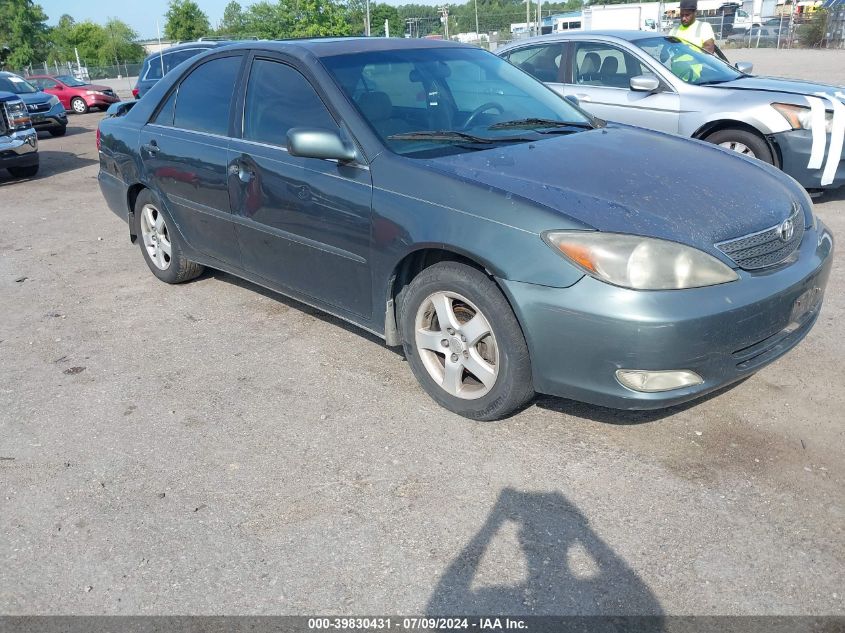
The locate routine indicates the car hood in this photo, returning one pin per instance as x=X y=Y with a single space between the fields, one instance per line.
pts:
x=31 y=98
x=93 y=87
x=774 y=84
x=629 y=180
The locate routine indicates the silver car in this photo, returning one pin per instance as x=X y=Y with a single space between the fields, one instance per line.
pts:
x=663 y=83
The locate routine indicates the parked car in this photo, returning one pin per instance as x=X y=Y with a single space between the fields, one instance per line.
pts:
x=74 y=94
x=666 y=84
x=157 y=65
x=18 y=141
x=46 y=111
x=756 y=36
x=436 y=196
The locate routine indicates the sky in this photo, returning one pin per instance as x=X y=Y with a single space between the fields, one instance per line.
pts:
x=141 y=15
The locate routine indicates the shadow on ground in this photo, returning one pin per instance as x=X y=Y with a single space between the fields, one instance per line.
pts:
x=52 y=163
x=568 y=568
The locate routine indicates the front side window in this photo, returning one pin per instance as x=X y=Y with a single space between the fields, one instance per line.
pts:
x=542 y=62
x=278 y=98
x=205 y=96
x=687 y=62
x=599 y=64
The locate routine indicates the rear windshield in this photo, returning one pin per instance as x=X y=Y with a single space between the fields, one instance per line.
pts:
x=168 y=61
x=73 y=82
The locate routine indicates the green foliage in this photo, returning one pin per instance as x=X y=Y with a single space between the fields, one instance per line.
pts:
x=185 y=21
x=97 y=45
x=280 y=20
x=381 y=12
x=814 y=32
x=23 y=30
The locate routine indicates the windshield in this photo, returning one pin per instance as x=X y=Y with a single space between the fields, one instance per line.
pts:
x=687 y=62
x=426 y=102
x=73 y=82
x=13 y=83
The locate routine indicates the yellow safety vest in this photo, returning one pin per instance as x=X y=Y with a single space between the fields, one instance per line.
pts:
x=696 y=33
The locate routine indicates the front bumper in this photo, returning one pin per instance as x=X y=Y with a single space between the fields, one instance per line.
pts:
x=100 y=101
x=55 y=117
x=579 y=336
x=795 y=147
x=19 y=149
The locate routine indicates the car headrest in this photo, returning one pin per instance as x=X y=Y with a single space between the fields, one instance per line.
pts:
x=376 y=106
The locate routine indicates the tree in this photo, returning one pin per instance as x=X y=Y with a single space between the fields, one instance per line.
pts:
x=318 y=18
x=121 y=44
x=23 y=30
x=234 y=20
x=814 y=32
x=185 y=21
x=381 y=12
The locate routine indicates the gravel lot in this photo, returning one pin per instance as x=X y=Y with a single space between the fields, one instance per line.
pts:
x=210 y=448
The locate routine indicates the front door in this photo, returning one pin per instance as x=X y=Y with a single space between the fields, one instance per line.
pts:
x=600 y=79
x=303 y=223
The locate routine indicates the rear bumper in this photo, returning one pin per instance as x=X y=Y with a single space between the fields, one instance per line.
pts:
x=796 y=148
x=580 y=336
x=115 y=192
x=19 y=149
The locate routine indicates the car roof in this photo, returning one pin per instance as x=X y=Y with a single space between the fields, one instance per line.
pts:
x=202 y=44
x=627 y=35
x=331 y=46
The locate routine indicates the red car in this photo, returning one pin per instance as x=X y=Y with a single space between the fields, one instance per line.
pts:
x=75 y=95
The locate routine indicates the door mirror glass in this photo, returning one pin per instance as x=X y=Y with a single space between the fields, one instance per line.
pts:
x=645 y=83
x=318 y=143
x=573 y=100
x=745 y=67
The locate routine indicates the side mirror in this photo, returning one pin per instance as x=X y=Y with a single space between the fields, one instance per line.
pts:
x=744 y=67
x=120 y=108
x=645 y=83
x=573 y=100
x=318 y=143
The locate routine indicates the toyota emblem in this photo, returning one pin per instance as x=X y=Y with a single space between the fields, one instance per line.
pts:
x=786 y=230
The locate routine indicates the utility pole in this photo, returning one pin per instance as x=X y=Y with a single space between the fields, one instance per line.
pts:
x=528 y=17
x=477 y=32
x=367 y=25
x=444 y=12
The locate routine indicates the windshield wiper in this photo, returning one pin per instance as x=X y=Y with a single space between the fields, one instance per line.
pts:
x=452 y=136
x=713 y=81
x=533 y=122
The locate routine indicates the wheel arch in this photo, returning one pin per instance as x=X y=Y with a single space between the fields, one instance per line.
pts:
x=711 y=127
x=411 y=265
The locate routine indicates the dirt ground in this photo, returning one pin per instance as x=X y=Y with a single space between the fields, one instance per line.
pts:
x=211 y=448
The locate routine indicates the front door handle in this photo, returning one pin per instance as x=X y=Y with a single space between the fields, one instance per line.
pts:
x=151 y=148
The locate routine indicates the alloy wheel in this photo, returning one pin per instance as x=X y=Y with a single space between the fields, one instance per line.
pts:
x=456 y=345
x=155 y=237
x=740 y=148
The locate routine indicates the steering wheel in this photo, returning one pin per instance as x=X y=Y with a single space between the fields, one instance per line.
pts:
x=490 y=105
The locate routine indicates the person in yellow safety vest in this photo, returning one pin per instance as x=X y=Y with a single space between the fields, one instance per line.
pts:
x=695 y=32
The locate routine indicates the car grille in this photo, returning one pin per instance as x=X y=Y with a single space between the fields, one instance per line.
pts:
x=769 y=247
x=38 y=107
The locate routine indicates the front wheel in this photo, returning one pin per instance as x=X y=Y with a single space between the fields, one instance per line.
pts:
x=78 y=105
x=464 y=344
x=160 y=244
x=743 y=142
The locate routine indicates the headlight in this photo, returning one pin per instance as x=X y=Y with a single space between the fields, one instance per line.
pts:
x=799 y=116
x=92 y=92
x=54 y=101
x=640 y=263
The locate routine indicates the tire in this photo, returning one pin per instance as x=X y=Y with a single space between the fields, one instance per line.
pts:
x=78 y=105
x=156 y=236
x=24 y=172
x=58 y=131
x=743 y=142
x=486 y=367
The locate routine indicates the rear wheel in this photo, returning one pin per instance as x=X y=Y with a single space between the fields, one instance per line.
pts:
x=78 y=105
x=160 y=244
x=464 y=343
x=743 y=142
x=24 y=172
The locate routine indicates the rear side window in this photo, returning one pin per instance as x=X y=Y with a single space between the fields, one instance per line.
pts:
x=205 y=96
x=277 y=99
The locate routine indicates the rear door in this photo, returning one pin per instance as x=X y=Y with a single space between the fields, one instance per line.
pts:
x=600 y=78
x=184 y=149
x=303 y=223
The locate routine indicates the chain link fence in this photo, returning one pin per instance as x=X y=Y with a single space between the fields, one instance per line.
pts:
x=83 y=73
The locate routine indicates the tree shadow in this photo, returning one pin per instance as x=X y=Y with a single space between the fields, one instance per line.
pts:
x=569 y=569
